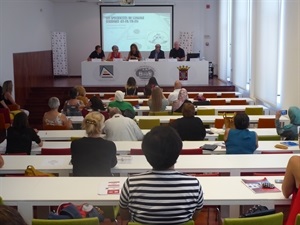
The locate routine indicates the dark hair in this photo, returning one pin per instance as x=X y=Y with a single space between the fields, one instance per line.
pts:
x=162 y=146
x=97 y=47
x=152 y=81
x=20 y=121
x=131 y=82
x=136 y=47
x=73 y=93
x=96 y=104
x=188 y=110
x=241 y=121
x=10 y=216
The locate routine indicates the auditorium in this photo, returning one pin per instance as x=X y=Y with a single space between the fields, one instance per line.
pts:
x=154 y=112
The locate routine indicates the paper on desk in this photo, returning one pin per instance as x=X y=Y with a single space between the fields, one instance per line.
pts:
x=124 y=159
x=52 y=162
x=109 y=188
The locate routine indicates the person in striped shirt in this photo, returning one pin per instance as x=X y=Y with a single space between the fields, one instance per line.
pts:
x=162 y=195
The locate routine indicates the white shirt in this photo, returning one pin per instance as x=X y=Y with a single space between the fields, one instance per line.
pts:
x=120 y=128
x=173 y=96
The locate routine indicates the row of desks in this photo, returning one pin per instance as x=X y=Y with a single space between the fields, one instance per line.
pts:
x=229 y=192
x=233 y=164
x=205 y=119
x=123 y=147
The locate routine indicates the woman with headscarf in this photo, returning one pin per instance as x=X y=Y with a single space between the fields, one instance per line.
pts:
x=290 y=131
x=125 y=107
x=182 y=98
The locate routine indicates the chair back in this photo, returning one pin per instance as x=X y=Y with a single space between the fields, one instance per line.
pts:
x=83 y=221
x=219 y=123
x=254 y=111
x=159 y=113
x=136 y=151
x=145 y=103
x=148 y=123
x=177 y=113
x=218 y=102
x=54 y=127
x=297 y=220
x=130 y=97
x=56 y=151
x=276 y=152
x=6 y=115
x=206 y=112
x=266 y=123
x=74 y=138
x=273 y=219
x=228 y=95
x=193 y=95
x=220 y=137
x=269 y=138
x=210 y=95
x=238 y=102
x=191 y=151
x=108 y=95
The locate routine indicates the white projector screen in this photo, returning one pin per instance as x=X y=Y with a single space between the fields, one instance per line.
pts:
x=142 y=25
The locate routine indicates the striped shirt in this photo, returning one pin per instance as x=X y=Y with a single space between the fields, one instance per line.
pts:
x=161 y=197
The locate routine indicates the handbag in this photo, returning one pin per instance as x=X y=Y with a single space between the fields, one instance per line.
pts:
x=258 y=210
x=32 y=172
x=229 y=121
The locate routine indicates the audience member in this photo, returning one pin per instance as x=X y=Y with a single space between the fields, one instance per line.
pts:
x=125 y=107
x=55 y=118
x=177 y=52
x=120 y=128
x=290 y=131
x=115 y=54
x=97 y=54
x=20 y=136
x=291 y=181
x=134 y=53
x=1 y=161
x=157 y=53
x=92 y=155
x=173 y=96
x=157 y=101
x=97 y=104
x=162 y=185
x=131 y=88
x=182 y=98
x=2 y=103
x=10 y=216
x=82 y=95
x=240 y=140
x=9 y=100
x=73 y=106
x=189 y=127
x=151 y=84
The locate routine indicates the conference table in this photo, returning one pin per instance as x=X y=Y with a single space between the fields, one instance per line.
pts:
x=218 y=108
x=205 y=119
x=113 y=73
x=131 y=164
x=23 y=192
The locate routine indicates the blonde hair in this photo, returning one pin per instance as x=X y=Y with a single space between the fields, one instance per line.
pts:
x=156 y=97
x=81 y=90
x=7 y=87
x=93 y=123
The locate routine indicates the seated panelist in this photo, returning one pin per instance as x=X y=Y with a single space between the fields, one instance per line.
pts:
x=177 y=52
x=115 y=54
x=134 y=53
x=157 y=53
x=97 y=54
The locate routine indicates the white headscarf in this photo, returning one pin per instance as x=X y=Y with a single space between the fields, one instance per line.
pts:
x=119 y=96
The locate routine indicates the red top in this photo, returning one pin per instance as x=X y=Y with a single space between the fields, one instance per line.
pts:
x=115 y=55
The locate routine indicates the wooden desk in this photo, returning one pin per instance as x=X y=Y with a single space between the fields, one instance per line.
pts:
x=26 y=192
x=233 y=164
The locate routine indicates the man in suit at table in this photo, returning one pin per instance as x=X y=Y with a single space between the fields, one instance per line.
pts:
x=157 y=53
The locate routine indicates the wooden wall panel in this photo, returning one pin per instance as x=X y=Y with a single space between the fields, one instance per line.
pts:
x=31 y=69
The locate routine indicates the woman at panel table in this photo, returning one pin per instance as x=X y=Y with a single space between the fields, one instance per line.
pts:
x=92 y=155
x=55 y=118
x=290 y=131
x=189 y=127
x=20 y=136
x=134 y=53
x=157 y=101
x=240 y=140
x=115 y=54
x=182 y=98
